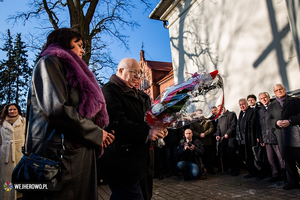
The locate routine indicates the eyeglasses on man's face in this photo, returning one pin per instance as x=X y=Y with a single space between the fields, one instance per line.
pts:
x=278 y=89
x=135 y=72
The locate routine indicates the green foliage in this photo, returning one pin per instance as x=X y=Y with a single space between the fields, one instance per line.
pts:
x=15 y=72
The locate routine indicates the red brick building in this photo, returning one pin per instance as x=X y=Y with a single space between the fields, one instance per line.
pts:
x=156 y=76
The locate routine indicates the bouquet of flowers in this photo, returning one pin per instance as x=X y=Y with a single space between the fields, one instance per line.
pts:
x=176 y=106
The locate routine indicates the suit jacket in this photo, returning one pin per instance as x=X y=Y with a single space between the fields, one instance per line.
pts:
x=289 y=111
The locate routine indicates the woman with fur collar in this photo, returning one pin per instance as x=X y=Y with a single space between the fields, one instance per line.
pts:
x=65 y=100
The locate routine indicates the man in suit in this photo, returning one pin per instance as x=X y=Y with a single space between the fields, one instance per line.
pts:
x=247 y=127
x=284 y=113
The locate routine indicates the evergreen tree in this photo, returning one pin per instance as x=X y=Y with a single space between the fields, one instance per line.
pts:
x=23 y=71
x=6 y=69
x=14 y=72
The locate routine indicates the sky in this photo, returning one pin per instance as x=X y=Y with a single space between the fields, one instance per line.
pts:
x=151 y=33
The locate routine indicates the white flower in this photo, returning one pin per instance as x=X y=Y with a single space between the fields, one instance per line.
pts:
x=157 y=108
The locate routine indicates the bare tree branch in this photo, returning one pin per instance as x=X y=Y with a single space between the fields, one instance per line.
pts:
x=92 y=18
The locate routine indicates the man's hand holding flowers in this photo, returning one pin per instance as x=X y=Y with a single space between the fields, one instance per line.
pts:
x=155 y=134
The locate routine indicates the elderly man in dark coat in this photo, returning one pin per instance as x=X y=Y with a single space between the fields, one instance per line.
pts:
x=283 y=114
x=268 y=139
x=125 y=162
x=226 y=132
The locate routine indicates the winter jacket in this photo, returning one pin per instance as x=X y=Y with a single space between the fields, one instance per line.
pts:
x=290 y=111
x=266 y=133
x=126 y=158
x=12 y=139
x=53 y=111
x=227 y=125
x=191 y=156
x=203 y=126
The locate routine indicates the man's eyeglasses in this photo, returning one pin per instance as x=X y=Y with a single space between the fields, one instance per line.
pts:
x=135 y=72
x=279 y=89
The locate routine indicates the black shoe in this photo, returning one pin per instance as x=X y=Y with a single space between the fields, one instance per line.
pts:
x=290 y=187
x=259 y=178
x=248 y=176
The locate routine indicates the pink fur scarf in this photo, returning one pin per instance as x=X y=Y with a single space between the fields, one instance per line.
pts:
x=92 y=102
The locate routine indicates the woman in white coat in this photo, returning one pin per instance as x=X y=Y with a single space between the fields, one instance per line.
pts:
x=12 y=132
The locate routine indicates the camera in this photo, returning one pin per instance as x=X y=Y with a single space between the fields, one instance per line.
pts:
x=190 y=144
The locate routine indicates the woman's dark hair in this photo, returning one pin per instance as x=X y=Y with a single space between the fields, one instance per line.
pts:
x=63 y=37
x=5 y=111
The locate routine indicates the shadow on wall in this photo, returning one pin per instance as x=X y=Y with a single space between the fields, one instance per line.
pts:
x=200 y=52
x=276 y=45
x=205 y=50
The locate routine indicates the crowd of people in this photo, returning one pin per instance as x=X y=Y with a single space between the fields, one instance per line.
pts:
x=100 y=133
x=263 y=139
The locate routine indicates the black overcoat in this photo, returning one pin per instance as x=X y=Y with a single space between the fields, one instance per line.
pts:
x=289 y=111
x=227 y=125
x=248 y=130
x=126 y=159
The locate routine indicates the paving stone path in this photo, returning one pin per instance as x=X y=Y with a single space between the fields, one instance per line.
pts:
x=219 y=186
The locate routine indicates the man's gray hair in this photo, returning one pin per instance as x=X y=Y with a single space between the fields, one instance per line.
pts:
x=243 y=99
x=278 y=85
x=267 y=94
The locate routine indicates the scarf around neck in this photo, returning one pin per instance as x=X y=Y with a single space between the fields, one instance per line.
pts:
x=78 y=75
x=281 y=100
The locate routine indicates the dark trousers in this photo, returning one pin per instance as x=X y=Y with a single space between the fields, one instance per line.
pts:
x=229 y=160
x=147 y=187
x=250 y=162
x=129 y=190
x=292 y=176
x=208 y=158
x=159 y=161
x=275 y=159
x=171 y=158
x=242 y=156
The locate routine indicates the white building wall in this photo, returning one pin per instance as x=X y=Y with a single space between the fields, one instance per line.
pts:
x=249 y=42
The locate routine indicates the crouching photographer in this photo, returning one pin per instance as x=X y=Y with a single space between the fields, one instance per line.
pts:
x=189 y=154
